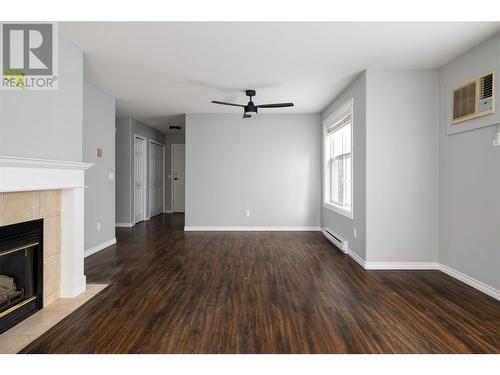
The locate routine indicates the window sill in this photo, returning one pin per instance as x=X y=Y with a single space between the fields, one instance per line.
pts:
x=338 y=209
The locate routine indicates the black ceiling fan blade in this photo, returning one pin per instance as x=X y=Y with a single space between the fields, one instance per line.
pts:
x=276 y=105
x=224 y=103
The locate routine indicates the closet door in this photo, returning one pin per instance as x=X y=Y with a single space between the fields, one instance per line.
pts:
x=139 y=179
x=161 y=178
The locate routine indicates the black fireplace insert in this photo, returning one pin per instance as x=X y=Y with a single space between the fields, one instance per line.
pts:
x=21 y=272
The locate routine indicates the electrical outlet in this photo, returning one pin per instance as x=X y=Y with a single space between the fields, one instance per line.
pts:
x=496 y=140
x=355 y=233
x=247 y=212
x=98 y=226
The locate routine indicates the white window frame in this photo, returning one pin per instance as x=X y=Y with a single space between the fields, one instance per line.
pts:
x=336 y=118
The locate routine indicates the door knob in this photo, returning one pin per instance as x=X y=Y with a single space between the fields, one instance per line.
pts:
x=175 y=178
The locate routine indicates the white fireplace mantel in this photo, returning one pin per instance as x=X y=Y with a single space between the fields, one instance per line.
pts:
x=27 y=174
x=24 y=174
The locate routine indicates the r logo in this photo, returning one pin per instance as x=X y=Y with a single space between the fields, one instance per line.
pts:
x=28 y=49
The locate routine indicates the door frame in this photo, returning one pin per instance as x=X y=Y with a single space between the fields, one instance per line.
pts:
x=145 y=166
x=162 y=145
x=172 y=175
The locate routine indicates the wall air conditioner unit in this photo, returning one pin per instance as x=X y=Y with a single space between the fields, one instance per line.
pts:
x=474 y=98
x=334 y=238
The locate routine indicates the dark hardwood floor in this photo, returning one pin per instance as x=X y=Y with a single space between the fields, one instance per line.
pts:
x=264 y=292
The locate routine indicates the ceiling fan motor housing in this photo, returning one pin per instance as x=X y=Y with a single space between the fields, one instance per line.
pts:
x=250 y=109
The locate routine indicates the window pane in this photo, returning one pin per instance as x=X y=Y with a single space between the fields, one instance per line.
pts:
x=337 y=181
x=347 y=139
x=333 y=183
x=347 y=179
x=338 y=142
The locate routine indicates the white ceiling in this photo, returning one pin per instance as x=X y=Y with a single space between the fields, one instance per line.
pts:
x=158 y=71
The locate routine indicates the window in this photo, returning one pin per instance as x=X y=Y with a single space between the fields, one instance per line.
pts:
x=338 y=161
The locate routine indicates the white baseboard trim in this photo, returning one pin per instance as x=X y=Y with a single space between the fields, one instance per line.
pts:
x=400 y=265
x=124 y=225
x=356 y=257
x=485 y=288
x=99 y=247
x=249 y=229
x=168 y=211
x=476 y=284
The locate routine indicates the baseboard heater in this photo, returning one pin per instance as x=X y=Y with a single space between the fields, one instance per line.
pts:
x=334 y=238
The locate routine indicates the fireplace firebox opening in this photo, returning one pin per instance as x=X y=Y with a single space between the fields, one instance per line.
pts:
x=21 y=272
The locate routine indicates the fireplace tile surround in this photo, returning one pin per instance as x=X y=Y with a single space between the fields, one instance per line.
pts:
x=26 y=206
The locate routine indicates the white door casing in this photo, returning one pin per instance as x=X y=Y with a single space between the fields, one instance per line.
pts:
x=178 y=177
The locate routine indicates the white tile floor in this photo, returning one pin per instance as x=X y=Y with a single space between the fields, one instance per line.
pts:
x=28 y=330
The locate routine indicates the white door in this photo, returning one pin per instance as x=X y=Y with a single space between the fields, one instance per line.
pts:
x=139 y=179
x=178 y=168
x=156 y=178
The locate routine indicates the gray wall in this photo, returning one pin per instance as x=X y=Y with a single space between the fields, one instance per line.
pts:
x=395 y=153
x=98 y=132
x=126 y=128
x=46 y=124
x=402 y=166
x=170 y=138
x=269 y=164
x=123 y=177
x=469 y=183
x=338 y=223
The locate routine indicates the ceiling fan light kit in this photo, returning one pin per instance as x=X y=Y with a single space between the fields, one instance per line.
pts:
x=251 y=109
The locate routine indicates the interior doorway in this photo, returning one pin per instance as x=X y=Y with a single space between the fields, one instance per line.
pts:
x=178 y=177
x=140 y=165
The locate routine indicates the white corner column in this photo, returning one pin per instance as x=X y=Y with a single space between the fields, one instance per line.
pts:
x=73 y=280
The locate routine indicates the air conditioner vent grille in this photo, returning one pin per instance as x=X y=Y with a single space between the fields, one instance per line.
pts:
x=487 y=86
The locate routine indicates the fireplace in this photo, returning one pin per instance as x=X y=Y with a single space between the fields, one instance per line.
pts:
x=21 y=272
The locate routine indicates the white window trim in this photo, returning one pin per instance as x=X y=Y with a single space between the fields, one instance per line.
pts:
x=333 y=118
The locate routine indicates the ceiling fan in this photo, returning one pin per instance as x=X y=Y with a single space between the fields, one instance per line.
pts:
x=251 y=109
